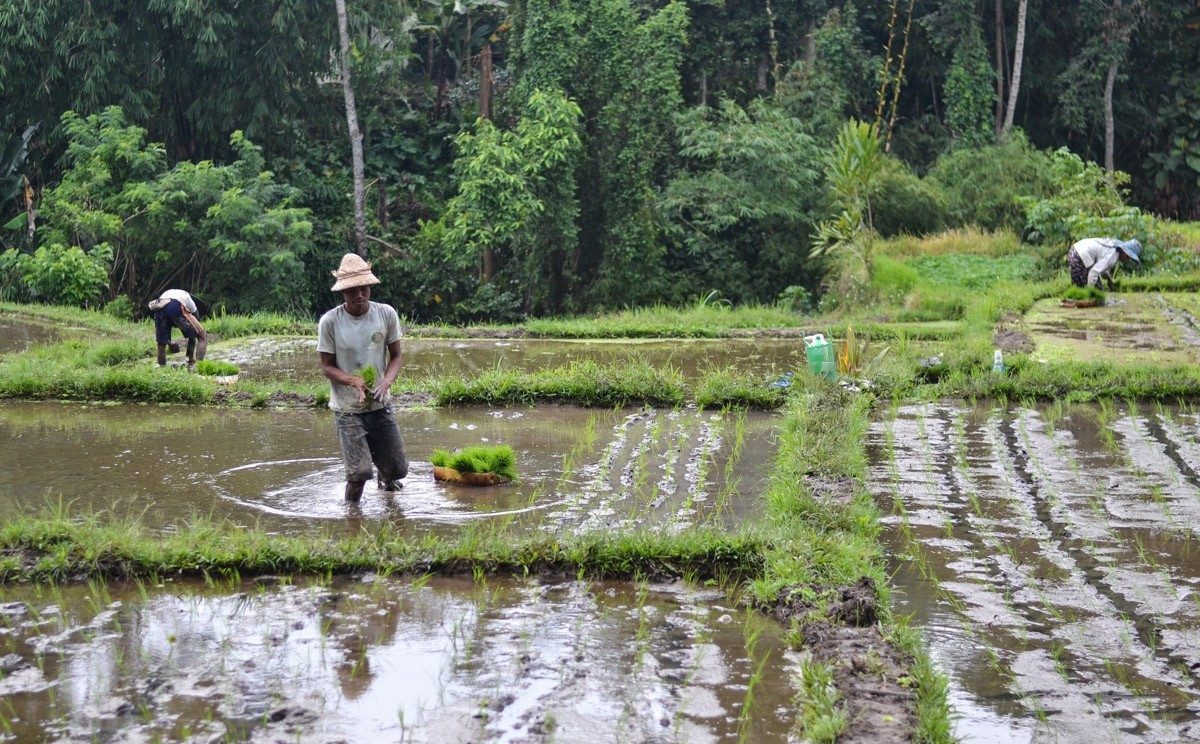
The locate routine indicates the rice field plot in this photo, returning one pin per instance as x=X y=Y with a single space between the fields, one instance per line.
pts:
x=1131 y=327
x=295 y=359
x=1052 y=557
x=578 y=469
x=376 y=659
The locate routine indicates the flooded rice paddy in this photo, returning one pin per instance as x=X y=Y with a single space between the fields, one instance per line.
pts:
x=296 y=358
x=579 y=469
x=18 y=334
x=1052 y=557
x=447 y=661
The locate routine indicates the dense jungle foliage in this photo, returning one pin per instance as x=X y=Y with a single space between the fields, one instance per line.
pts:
x=565 y=156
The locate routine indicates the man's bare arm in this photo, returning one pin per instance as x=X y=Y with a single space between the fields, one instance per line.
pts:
x=334 y=373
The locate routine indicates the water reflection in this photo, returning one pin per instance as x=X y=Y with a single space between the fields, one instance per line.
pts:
x=1050 y=554
x=378 y=659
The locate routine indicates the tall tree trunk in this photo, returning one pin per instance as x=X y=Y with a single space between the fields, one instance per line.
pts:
x=1018 y=58
x=356 y=154
x=485 y=82
x=485 y=112
x=1108 y=114
x=999 y=33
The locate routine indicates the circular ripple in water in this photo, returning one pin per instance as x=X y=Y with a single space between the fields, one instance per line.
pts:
x=312 y=488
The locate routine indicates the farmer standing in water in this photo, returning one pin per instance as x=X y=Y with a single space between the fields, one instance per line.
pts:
x=356 y=340
x=176 y=308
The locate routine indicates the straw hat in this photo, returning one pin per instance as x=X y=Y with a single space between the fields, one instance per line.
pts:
x=353 y=272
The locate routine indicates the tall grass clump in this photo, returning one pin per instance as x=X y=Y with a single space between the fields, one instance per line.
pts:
x=726 y=388
x=968 y=240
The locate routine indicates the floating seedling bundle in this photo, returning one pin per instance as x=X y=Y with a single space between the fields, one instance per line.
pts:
x=481 y=465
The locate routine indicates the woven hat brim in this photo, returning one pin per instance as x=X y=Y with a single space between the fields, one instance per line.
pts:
x=354 y=280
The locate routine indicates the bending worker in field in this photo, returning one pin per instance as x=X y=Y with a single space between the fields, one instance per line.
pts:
x=175 y=308
x=1093 y=259
x=356 y=340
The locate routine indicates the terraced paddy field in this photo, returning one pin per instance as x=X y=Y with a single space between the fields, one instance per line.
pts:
x=1051 y=556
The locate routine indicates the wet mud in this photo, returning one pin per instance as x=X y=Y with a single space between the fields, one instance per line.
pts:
x=580 y=470
x=1130 y=327
x=374 y=659
x=870 y=674
x=296 y=358
x=1051 y=556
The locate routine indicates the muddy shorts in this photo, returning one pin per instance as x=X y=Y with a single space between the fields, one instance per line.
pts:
x=171 y=316
x=371 y=438
x=1079 y=272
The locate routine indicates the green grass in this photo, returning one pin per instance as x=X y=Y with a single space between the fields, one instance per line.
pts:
x=974 y=272
x=58 y=547
x=583 y=383
x=481 y=458
x=259 y=324
x=662 y=321
x=211 y=368
x=725 y=388
x=223 y=326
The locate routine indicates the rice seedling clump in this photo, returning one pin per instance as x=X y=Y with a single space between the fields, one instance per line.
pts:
x=212 y=368
x=498 y=459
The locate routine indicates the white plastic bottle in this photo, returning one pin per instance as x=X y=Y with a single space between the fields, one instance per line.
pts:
x=998 y=361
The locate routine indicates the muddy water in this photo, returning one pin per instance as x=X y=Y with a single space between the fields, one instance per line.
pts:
x=296 y=359
x=18 y=334
x=580 y=469
x=1053 y=559
x=382 y=660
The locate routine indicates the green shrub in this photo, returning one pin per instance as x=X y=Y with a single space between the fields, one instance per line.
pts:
x=982 y=185
x=498 y=459
x=1086 y=202
x=211 y=368
x=119 y=307
x=62 y=275
x=903 y=203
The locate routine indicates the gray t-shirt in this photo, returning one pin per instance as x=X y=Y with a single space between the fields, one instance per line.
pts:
x=358 y=343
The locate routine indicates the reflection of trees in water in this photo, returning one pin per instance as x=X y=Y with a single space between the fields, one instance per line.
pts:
x=106 y=422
